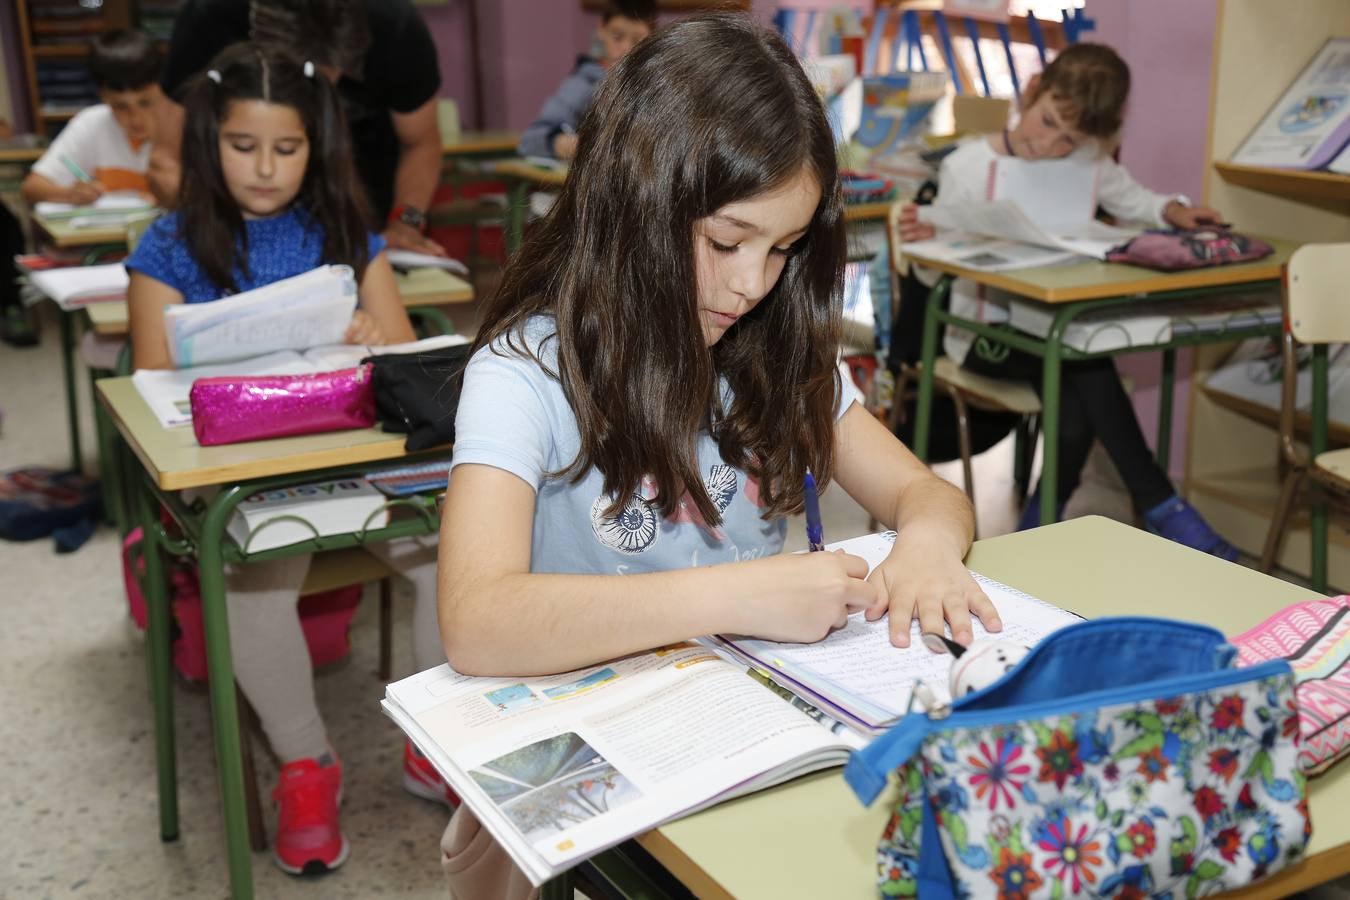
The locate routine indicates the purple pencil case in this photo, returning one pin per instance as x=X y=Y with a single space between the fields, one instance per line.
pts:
x=229 y=409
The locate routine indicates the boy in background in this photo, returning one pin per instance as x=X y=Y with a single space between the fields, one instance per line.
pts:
x=623 y=23
x=105 y=147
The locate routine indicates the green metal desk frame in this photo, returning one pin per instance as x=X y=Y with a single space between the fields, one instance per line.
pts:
x=203 y=527
x=1054 y=353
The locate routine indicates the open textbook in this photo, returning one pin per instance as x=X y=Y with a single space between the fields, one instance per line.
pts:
x=1035 y=213
x=560 y=767
x=997 y=234
x=166 y=391
x=307 y=310
x=112 y=208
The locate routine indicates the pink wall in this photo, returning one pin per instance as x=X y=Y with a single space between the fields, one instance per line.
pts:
x=527 y=46
x=1169 y=47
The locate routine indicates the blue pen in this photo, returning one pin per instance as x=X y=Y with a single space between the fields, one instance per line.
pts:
x=815 y=530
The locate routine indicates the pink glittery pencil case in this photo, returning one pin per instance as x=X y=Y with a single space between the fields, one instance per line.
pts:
x=229 y=409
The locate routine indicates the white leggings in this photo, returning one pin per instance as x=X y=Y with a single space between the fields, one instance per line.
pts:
x=271 y=659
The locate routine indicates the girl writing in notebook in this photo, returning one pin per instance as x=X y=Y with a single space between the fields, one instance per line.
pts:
x=268 y=193
x=1076 y=107
x=655 y=377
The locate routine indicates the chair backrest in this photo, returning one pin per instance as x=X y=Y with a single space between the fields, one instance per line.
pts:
x=1319 y=293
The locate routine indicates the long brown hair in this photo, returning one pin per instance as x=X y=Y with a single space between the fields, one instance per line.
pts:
x=707 y=112
x=210 y=222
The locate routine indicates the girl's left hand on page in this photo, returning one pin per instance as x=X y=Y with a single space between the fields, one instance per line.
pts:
x=364 y=329
x=926 y=579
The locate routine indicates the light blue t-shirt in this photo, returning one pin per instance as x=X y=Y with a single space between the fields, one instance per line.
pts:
x=514 y=416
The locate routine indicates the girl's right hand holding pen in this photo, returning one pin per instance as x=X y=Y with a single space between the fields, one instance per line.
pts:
x=800 y=597
x=83 y=193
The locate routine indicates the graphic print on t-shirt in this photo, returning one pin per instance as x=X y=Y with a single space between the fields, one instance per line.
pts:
x=635 y=528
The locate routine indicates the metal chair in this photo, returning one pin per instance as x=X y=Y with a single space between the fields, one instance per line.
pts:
x=1317 y=314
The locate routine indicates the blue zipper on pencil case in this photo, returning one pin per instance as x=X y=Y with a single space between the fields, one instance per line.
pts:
x=867 y=770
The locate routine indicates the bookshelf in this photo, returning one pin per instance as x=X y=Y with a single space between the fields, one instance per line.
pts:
x=1232 y=473
x=54 y=40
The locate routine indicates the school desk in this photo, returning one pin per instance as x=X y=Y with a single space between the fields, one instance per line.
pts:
x=482 y=143
x=20 y=155
x=420 y=288
x=812 y=838
x=1071 y=290
x=63 y=234
x=171 y=461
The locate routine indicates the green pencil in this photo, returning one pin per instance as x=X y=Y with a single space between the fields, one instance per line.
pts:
x=75 y=170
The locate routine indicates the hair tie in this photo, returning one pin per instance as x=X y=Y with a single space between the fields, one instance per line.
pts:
x=309 y=69
x=214 y=75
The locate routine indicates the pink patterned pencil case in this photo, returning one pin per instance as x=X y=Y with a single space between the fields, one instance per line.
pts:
x=1315 y=637
x=229 y=409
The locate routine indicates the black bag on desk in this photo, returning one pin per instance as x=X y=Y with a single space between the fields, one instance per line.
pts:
x=417 y=394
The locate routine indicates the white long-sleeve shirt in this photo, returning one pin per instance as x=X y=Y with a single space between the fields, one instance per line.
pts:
x=964 y=177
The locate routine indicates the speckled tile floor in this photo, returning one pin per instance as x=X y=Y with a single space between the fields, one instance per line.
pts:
x=77 y=776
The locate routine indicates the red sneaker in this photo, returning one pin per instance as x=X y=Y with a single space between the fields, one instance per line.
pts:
x=309 y=840
x=422 y=780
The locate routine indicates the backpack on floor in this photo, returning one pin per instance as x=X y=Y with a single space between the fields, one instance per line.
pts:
x=37 y=501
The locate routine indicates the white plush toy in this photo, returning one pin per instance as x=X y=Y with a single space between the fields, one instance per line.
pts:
x=976 y=666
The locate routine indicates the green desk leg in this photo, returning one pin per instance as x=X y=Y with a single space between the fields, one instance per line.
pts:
x=109 y=465
x=621 y=874
x=430 y=315
x=1169 y=377
x=559 y=888
x=157 y=655
x=517 y=202
x=923 y=411
x=1051 y=372
x=68 y=369
x=224 y=709
x=1318 y=445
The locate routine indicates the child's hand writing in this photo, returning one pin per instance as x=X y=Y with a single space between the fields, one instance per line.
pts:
x=364 y=329
x=924 y=578
x=911 y=229
x=82 y=193
x=799 y=597
x=1183 y=216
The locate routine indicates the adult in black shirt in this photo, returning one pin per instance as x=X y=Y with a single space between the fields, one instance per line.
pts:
x=383 y=61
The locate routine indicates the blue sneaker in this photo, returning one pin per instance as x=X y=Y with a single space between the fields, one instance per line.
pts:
x=1031 y=513
x=1177 y=520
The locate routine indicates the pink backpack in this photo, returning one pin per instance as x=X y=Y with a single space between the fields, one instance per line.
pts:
x=324 y=617
x=1194 y=249
x=1315 y=637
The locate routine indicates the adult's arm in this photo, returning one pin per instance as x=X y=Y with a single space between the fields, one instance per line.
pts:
x=418 y=173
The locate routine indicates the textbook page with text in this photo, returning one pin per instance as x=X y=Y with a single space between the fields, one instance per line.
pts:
x=560 y=767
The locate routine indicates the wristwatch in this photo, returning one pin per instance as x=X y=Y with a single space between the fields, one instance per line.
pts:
x=409 y=215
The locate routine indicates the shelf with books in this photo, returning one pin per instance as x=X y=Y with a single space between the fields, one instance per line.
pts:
x=1296 y=183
